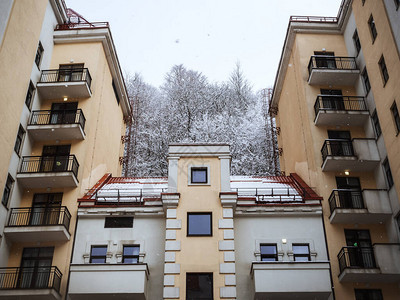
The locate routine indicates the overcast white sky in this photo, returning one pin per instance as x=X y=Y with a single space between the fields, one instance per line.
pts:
x=208 y=36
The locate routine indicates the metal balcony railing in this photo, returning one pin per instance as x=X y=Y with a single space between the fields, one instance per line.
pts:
x=339 y=103
x=121 y=197
x=66 y=75
x=58 y=117
x=46 y=164
x=271 y=195
x=337 y=147
x=346 y=198
x=356 y=257
x=326 y=62
x=39 y=216
x=30 y=278
x=91 y=25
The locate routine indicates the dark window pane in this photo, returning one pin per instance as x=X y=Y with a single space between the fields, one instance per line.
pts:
x=300 y=249
x=29 y=95
x=388 y=173
x=301 y=252
x=372 y=27
x=7 y=190
x=367 y=84
x=118 y=222
x=98 y=254
x=199 y=224
x=199 y=175
x=131 y=250
x=384 y=71
x=269 y=252
x=356 y=40
x=19 y=139
x=99 y=250
x=377 y=125
x=39 y=53
x=130 y=260
x=396 y=116
x=268 y=249
x=98 y=260
x=199 y=286
x=367 y=294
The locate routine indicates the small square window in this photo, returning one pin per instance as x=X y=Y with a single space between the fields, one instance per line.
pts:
x=198 y=175
x=396 y=117
x=118 y=222
x=98 y=254
x=199 y=224
x=7 y=190
x=384 y=71
x=19 y=140
x=301 y=252
x=130 y=254
x=356 y=41
x=269 y=252
x=365 y=77
x=39 y=54
x=388 y=173
x=377 y=125
x=199 y=286
x=372 y=28
x=368 y=294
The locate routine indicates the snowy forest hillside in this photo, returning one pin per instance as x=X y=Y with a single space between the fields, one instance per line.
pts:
x=188 y=108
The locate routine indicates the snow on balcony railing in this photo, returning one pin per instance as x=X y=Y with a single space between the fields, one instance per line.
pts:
x=263 y=195
x=83 y=25
x=127 y=196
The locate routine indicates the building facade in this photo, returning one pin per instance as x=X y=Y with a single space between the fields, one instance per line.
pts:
x=62 y=96
x=336 y=101
x=200 y=234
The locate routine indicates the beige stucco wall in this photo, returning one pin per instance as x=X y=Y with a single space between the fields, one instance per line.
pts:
x=17 y=54
x=199 y=254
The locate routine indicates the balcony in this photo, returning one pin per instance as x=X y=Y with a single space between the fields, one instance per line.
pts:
x=48 y=171
x=57 y=125
x=357 y=155
x=60 y=83
x=331 y=110
x=291 y=280
x=332 y=70
x=30 y=283
x=38 y=224
x=105 y=281
x=380 y=263
x=359 y=206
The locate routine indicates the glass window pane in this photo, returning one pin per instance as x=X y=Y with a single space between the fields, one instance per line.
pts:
x=303 y=249
x=99 y=251
x=268 y=249
x=199 y=286
x=130 y=260
x=131 y=250
x=268 y=259
x=199 y=175
x=199 y=224
x=301 y=258
x=98 y=260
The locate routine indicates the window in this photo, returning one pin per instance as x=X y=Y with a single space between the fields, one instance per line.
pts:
x=98 y=254
x=39 y=54
x=269 y=252
x=29 y=95
x=199 y=224
x=397 y=3
x=396 y=117
x=363 y=2
x=388 y=173
x=372 y=28
x=7 y=190
x=365 y=77
x=118 y=222
x=198 y=175
x=356 y=41
x=199 y=286
x=301 y=252
x=368 y=294
x=19 y=140
x=377 y=125
x=384 y=71
x=115 y=91
x=130 y=254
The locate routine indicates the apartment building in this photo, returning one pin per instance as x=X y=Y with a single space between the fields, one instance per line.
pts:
x=336 y=100
x=62 y=106
x=200 y=234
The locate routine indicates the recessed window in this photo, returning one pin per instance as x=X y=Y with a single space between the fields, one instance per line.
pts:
x=365 y=77
x=397 y=3
x=367 y=294
x=118 y=222
x=19 y=139
x=115 y=91
x=198 y=175
x=29 y=95
x=199 y=286
x=388 y=173
x=377 y=125
x=363 y=2
x=384 y=71
x=396 y=117
x=269 y=252
x=7 y=190
x=372 y=28
x=199 y=224
x=39 y=54
x=130 y=254
x=98 y=254
x=301 y=252
x=356 y=41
